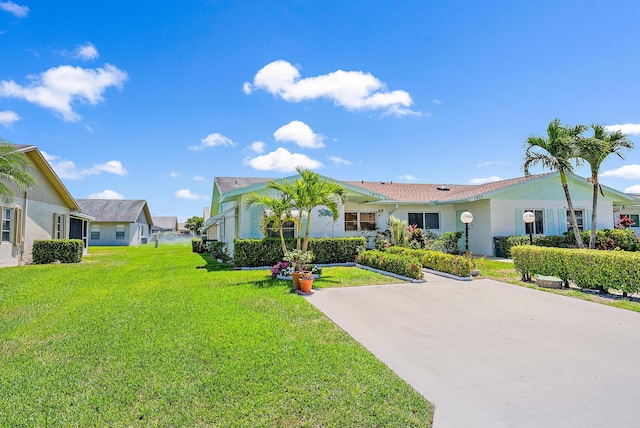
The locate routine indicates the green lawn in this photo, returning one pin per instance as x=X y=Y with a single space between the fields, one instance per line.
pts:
x=142 y=336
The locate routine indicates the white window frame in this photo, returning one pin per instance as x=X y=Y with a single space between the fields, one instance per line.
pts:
x=579 y=219
x=95 y=228
x=359 y=222
x=424 y=219
x=538 y=221
x=7 y=220
x=121 y=231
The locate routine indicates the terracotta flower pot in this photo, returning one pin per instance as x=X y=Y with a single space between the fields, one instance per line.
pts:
x=305 y=285
x=295 y=276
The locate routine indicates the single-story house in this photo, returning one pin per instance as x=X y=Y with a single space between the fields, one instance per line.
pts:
x=497 y=208
x=164 y=224
x=118 y=221
x=46 y=211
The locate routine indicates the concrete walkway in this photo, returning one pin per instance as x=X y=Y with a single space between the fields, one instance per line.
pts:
x=489 y=354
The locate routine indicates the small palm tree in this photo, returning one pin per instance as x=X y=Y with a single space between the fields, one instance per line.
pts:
x=13 y=171
x=555 y=152
x=194 y=224
x=594 y=151
x=311 y=190
x=278 y=212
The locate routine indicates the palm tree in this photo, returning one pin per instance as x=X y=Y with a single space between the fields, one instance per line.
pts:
x=594 y=151
x=278 y=212
x=194 y=224
x=555 y=153
x=13 y=171
x=311 y=190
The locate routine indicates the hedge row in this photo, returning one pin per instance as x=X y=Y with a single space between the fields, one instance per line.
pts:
x=268 y=251
x=508 y=242
x=436 y=260
x=57 y=250
x=591 y=269
x=394 y=263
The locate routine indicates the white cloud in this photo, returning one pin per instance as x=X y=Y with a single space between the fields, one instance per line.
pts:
x=213 y=140
x=353 y=90
x=257 y=147
x=67 y=169
x=282 y=160
x=339 y=161
x=491 y=163
x=485 y=180
x=299 y=133
x=58 y=87
x=106 y=194
x=15 y=9
x=436 y=101
x=86 y=52
x=635 y=189
x=187 y=194
x=627 y=128
x=8 y=117
x=174 y=174
x=198 y=178
x=630 y=172
x=408 y=177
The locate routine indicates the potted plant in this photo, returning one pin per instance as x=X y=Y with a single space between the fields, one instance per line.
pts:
x=306 y=282
x=299 y=260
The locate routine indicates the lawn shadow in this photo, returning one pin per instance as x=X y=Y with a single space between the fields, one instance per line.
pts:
x=212 y=265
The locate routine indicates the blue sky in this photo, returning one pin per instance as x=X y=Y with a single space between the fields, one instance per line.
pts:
x=153 y=99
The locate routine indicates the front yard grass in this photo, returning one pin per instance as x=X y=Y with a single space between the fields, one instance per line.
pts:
x=506 y=272
x=138 y=336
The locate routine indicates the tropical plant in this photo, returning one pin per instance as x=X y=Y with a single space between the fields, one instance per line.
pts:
x=13 y=170
x=311 y=190
x=594 y=151
x=194 y=224
x=278 y=211
x=398 y=231
x=555 y=152
x=299 y=259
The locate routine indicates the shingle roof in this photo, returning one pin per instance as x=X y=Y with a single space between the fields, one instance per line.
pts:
x=113 y=210
x=226 y=184
x=413 y=192
x=165 y=222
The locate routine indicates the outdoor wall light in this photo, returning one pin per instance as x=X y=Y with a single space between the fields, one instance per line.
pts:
x=466 y=217
x=529 y=217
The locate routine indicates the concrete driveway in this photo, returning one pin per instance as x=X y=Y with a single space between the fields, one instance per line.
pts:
x=489 y=354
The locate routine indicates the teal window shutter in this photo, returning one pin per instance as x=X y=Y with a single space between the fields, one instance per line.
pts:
x=551 y=224
x=587 y=220
x=562 y=221
x=519 y=221
x=254 y=217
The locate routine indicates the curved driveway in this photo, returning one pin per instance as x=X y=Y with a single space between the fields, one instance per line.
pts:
x=489 y=354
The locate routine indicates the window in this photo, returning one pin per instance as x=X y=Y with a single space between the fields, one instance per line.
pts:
x=120 y=231
x=288 y=230
x=6 y=224
x=95 y=231
x=359 y=221
x=635 y=218
x=424 y=221
x=57 y=228
x=579 y=219
x=537 y=227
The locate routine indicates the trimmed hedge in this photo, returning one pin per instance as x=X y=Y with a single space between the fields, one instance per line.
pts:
x=436 y=260
x=57 y=250
x=268 y=251
x=394 y=263
x=509 y=242
x=590 y=269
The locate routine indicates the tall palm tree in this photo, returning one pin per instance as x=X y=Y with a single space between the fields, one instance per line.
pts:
x=311 y=190
x=594 y=151
x=279 y=212
x=555 y=153
x=13 y=171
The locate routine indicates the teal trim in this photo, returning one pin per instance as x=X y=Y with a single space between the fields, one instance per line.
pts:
x=551 y=224
x=520 y=228
x=254 y=216
x=562 y=221
x=587 y=220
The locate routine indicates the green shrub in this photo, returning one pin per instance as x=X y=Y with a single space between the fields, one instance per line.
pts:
x=57 y=250
x=437 y=260
x=508 y=242
x=394 y=263
x=592 y=269
x=197 y=246
x=449 y=240
x=268 y=251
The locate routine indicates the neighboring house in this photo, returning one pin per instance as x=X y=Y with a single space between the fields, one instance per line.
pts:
x=164 y=224
x=46 y=211
x=497 y=208
x=118 y=221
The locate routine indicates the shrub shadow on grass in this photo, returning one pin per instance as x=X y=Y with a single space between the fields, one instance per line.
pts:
x=212 y=265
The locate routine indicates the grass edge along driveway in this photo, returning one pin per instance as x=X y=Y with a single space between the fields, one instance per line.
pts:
x=139 y=336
